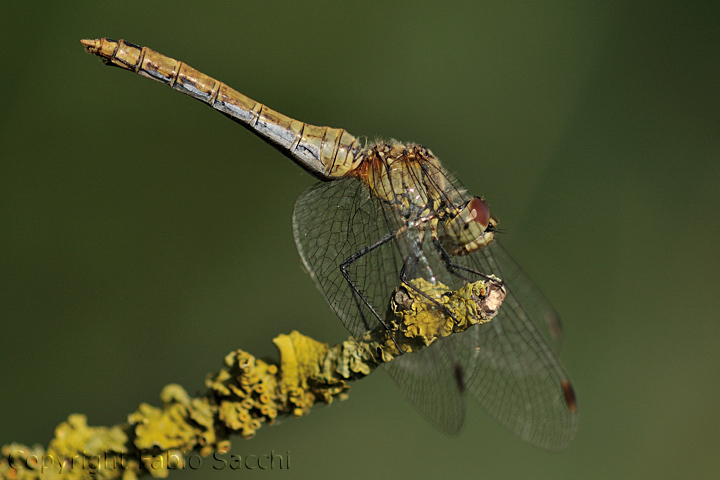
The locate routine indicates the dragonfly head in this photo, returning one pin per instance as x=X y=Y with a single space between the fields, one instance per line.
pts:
x=470 y=229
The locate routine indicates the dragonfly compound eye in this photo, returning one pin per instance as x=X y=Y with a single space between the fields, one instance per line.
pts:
x=480 y=211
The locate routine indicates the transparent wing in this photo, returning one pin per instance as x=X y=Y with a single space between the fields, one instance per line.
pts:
x=429 y=382
x=505 y=364
x=508 y=366
x=333 y=221
x=534 y=303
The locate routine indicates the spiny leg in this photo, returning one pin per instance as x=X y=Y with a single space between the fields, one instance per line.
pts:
x=356 y=290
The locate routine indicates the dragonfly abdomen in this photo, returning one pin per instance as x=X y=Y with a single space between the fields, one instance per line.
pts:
x=325 y=152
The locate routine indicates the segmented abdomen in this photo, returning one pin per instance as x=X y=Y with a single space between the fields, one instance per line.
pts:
x=325 y=152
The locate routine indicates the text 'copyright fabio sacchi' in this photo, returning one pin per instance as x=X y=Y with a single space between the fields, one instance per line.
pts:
x=166 y=461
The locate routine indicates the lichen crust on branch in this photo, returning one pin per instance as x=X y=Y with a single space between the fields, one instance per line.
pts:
x=248 y=392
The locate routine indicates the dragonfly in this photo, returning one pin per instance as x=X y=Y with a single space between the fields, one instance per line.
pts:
x=383 y=215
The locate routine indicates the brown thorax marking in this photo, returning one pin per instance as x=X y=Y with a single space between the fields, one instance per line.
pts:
x=406 y=176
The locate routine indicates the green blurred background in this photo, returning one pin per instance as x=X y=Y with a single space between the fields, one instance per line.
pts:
x=143 y=236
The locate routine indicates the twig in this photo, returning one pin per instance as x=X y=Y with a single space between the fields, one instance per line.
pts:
x=249 y=392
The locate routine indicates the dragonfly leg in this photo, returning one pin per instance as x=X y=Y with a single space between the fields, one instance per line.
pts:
x=356 y=289
x=406 y=281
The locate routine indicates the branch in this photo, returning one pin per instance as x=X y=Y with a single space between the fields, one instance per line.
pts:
x=249 y=392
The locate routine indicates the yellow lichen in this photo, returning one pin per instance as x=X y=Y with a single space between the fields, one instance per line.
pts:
x=248 y=392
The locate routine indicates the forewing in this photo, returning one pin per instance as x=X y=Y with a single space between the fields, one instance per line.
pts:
x=510 y=369
x=334 y=221
x=534 y=303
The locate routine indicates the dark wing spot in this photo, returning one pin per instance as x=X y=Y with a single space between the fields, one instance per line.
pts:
x=569 y=396
x=458 y=371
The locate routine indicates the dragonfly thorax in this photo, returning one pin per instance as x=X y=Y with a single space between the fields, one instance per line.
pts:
x=409 y=177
